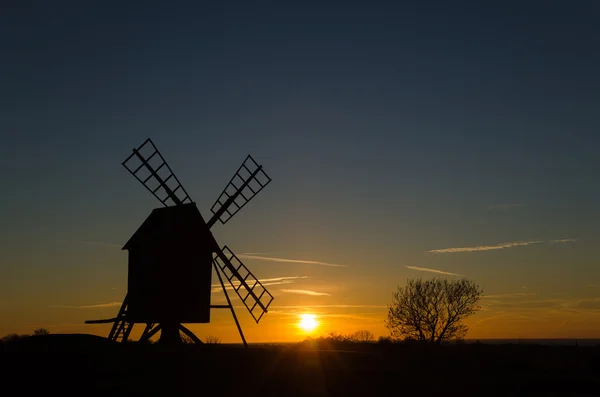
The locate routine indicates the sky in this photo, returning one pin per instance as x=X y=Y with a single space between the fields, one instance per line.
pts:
x=404 y=139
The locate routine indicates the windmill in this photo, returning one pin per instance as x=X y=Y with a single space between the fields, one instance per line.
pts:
x=173 y=253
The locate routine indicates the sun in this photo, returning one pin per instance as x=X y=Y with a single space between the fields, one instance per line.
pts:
x=308 y=322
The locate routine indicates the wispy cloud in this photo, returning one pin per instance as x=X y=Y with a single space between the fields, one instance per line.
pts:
x=289 y=309
x=485 y=247
x=272 y=259
x=498 y=246
x=329 y=306
x=506 y=206
x=304 y=292
x=101 y=243
x=424 y=269
x=564 y=240
x=541 y=309
x=510 y=295
x=265 y=282
x=372 y=317
x=53 y=325
x=295 y=313
x=96 y=306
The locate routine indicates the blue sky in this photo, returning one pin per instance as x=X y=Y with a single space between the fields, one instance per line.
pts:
x=389 y=131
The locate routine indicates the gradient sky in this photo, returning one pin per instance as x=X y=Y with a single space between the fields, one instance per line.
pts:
x=392 y=133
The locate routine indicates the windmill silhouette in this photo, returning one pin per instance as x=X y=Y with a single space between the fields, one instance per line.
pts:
x=173 y=253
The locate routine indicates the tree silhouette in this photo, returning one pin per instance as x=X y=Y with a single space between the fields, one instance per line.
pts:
x=10 y=338
x=338 y=338
x=362 y=336
x=41 y=331
x=432 y=310
x=212 y=340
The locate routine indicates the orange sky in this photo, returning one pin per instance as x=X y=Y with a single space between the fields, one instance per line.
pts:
x=521 y=314
x=536 y=288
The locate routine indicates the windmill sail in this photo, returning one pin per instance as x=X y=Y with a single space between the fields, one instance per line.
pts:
x=253 y=294
x=149 y=167
x=247 y=181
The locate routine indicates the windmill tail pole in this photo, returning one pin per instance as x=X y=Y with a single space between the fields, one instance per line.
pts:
x=105 y=321
x=237 y=323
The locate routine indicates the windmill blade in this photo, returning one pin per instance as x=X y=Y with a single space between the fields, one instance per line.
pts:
x=247 y=181
x=253 y=294
x=149 y=167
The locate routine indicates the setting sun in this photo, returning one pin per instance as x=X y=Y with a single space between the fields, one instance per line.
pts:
x=308 y=322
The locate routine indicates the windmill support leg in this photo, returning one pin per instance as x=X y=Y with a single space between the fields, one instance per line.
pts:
x=127 y=331
x=149 y=331
x=237 y=323
x=120 y=326
x=153 y=332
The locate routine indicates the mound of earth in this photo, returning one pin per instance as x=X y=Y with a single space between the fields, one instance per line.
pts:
x=59 y=342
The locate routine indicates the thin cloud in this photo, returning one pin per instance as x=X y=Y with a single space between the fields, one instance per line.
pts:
x=507 y=206
x=101 y=243
x=485 y=247
x=265 y=282
x=370 y=317
x=329 y=306
x=304 y=292
x=564 y=240
x=305 y=308
x=272 y=259
x=376 y=316
x=510 y=295
x=53 y=325
x=273 y=280
x=218 y=288
x=483 y=320
x=424 y=269
x=96 y=306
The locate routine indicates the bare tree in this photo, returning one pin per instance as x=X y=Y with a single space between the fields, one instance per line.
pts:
x=212 y=340
x=362 y=336
x=432 y=310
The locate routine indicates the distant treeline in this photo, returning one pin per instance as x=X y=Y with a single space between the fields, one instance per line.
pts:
x=16 y=337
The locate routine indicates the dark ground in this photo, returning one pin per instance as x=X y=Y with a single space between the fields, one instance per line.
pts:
x=87 y=365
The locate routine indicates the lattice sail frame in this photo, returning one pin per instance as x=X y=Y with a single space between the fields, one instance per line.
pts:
x=247 y=181
x=252 y=293
x=149 y=167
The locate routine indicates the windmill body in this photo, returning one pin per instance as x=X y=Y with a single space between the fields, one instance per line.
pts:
x=170 y=267
x=172 y=255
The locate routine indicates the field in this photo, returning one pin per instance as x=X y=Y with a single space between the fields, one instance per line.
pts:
x=88 y=365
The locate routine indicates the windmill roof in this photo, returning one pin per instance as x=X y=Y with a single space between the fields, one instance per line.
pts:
x=168 y=224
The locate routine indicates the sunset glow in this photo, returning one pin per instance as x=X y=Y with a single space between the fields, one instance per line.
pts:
x=308 y=322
